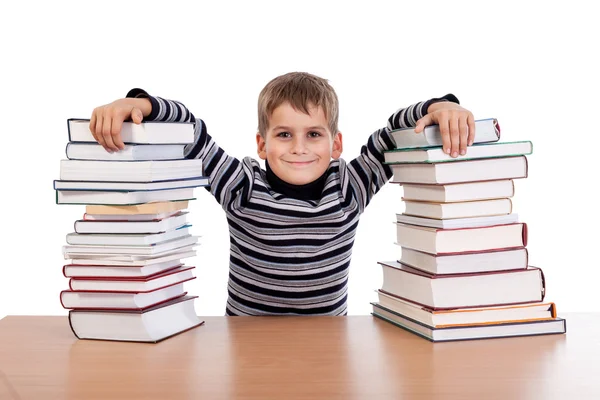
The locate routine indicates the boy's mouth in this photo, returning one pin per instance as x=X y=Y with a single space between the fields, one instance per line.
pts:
x=299 y=164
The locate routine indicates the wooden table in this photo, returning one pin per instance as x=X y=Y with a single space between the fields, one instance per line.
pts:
x=357 y=357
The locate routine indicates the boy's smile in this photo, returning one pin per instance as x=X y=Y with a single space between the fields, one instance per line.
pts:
x=298 y=146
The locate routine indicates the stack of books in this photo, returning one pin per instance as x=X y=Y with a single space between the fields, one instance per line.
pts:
x=126 y=271
x=463 y=269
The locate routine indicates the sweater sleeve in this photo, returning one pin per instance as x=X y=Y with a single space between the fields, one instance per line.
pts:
x=229 y=179
x=367 y=172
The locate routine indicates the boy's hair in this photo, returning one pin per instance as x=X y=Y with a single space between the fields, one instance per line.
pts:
x=301 y=90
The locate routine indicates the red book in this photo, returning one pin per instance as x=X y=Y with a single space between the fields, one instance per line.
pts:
x=133 y=285
x=108 y=300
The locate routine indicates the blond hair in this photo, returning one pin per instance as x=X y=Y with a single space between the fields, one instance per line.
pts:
x=301 y=90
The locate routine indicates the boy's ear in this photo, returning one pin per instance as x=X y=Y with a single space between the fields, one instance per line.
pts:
x=261 y=146
x=338 y=146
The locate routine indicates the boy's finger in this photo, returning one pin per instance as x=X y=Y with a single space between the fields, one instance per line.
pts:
x=464 y=134
x=471 y=124
x=115 y=131
x=106 y=133
x=93 y=125
x=137 y=116
x=99 y=137
x=454 y=136
x=445 y=132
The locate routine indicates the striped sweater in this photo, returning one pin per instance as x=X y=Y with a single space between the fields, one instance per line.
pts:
x=289 y=256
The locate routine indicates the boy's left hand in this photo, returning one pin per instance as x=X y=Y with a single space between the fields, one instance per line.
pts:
x=457 y=126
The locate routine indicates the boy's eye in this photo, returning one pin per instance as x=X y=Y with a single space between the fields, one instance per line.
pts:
x=284 y=134
x=313 y=134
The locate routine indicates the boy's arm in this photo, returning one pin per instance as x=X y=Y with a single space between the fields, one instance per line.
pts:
x=367 y=172
x=227 y=177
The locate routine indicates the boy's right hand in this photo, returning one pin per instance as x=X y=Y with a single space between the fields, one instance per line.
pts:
x=106 y=120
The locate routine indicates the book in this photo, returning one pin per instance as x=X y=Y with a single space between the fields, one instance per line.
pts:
x=455 y=223
x=131 y=186
x=469 y=191
x=124 y=239
x=131 y=261
x=461 y=240
x=131 y=152
x=486 y=130
x=123 y=226
x=129 y=171
x=462 y=209
x=146 y=250
x=128 y=217
x=483 y=289
x=134 y=285
x=144 y=133
x=475 y=151
x=98 y=197
x=468 y=316
x=486 y=169
x=149 y=208
x=72 y=299
x=483 y=261
x=149 y=325
x=502 y=330
x=119 y=271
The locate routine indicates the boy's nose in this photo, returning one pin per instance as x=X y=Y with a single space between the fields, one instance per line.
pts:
x=299 y=146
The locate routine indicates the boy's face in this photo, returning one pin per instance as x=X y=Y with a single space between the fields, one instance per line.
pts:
x=297 y=146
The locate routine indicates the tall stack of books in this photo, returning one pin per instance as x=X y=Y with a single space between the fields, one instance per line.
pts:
x=463 y=269
x=126 y=271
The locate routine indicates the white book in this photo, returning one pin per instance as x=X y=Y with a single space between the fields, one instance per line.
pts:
x=118 y=271
x=118 y=239
x=150 y=325
x=462 y=240
x=142 y=285
x=486 y=169
x=483 y=261
x=450 y=193
x=441 y=292
x=486 y=130
x=71 y=299
x=132 y=250
x=482 y=150
x=129 y=171
x=144 y=133
x=119 y=226
x=463 y=209
x=131 y=186
x=131 y=152
x=81 y=257
x=502 y=330
x=97 y=197
x=131 y=261
x=454 y=223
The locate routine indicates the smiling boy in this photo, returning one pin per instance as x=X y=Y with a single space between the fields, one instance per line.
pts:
x=292 y=226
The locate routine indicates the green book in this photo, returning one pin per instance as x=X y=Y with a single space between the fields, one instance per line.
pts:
x=476 y=151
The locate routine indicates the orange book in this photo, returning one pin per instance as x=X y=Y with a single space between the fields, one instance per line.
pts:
x=535 y=311
x=147 y=208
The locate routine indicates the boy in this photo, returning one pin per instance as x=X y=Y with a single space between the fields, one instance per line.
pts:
x=292 y=226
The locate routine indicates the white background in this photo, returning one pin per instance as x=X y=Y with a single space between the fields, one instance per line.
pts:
x=532 y=65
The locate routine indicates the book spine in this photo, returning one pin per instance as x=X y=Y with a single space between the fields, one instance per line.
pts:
x=71 y=325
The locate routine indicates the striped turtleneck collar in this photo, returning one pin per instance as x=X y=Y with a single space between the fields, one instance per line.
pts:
x=309 y=191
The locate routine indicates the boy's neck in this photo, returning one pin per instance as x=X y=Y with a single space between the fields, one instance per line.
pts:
x=309 y=191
